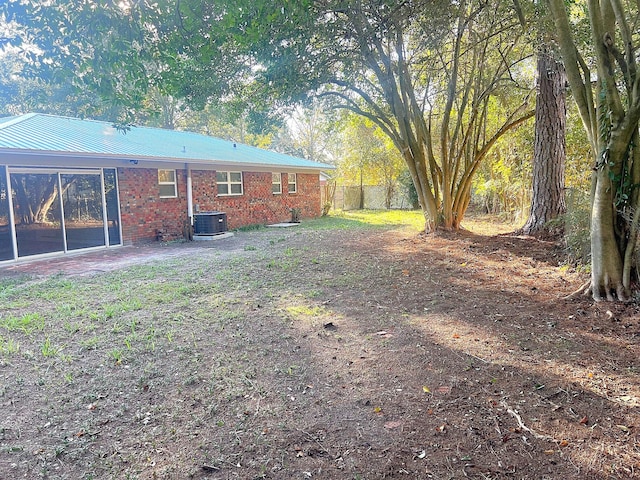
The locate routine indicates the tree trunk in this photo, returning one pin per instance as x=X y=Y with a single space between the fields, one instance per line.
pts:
x=48 y=198
x=24 y=210
x=606 y=259
x=610 y=113
x=361 y=207
x=547 y=200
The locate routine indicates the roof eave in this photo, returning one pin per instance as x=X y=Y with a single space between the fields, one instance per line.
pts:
x=140 y=161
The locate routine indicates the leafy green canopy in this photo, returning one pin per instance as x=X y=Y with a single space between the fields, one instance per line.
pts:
x=276 y=52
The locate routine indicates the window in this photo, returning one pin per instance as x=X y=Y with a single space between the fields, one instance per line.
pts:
x=276 y=183
x=167 y=183
x=293 y=183
x=229 y=183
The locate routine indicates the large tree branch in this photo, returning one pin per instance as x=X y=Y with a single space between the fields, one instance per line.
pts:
x=575 y=68
x=381 y=121
x=511 y=123
x=602 y=21
x=627 y=41
x=362 y=94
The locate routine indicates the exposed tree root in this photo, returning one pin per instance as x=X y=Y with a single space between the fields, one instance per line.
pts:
x=521 y=424
x=584 y=290
x=610 y=295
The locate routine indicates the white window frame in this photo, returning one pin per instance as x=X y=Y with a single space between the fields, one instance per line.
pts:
x=229 y=183
x=166 y=183
x=276 y=183
x=294 y=183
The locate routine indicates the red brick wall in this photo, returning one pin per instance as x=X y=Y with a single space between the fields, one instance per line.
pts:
x=144 y=214
x=257 y=205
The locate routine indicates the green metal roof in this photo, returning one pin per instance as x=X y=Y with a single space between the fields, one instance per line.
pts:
x=36 y=133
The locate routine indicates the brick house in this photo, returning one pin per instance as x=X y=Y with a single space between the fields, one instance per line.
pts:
x=82 y=184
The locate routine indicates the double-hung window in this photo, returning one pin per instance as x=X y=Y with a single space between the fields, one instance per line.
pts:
x=229 y=183
x=276 y=183
x=167 y=184
x=293 y=183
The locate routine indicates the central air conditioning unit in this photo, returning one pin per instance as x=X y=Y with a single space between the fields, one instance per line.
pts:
x=209 y=223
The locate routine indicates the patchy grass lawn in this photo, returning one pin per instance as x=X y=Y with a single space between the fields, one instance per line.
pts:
x=350 y=347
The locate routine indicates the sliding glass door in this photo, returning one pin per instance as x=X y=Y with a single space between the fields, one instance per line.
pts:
x=83 y=208
x=36 y=212
x=57 y=210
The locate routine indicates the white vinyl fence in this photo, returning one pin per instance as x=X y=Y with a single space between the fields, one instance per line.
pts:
x=348 y=198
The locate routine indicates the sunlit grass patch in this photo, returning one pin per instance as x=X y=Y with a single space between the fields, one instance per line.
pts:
x=27 y=323
x=356 y=219
x=8 y=346
x=306 y=310
x=412 y=219
x=408 y=218
x=10 y=286
x=56 y=289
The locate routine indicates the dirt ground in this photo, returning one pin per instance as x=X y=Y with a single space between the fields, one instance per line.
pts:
x=324 y=354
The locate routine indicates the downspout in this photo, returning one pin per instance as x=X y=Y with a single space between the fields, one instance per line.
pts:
x=189 y=193
x=189 y=222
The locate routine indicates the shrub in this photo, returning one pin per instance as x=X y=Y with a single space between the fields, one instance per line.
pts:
x=576 y=224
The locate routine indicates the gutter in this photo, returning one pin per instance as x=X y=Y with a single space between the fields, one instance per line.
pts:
x=189 y=194
x=34 y=158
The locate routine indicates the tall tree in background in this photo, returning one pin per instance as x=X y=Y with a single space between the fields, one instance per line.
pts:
x=610 y=112
x=433 y=76
x=308 y=133
x=93 y=51
x=23 y=93
x=368 y=158
x=547 y=199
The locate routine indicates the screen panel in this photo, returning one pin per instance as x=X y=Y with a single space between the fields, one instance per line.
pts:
x=83 y=212
x=37 y=214
x=6 y=238
x=113 y=208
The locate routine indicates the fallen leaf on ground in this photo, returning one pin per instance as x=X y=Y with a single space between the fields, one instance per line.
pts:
x=425 y=389
x=384 y=334
x=392 y=424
